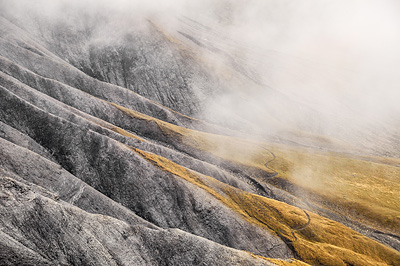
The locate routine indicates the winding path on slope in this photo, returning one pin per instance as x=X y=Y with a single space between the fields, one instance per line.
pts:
x=301 y=227
x=275 y=173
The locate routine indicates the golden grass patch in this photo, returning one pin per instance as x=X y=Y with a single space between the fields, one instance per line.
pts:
x=367 y=188
x=289 y=262
x=319 y=242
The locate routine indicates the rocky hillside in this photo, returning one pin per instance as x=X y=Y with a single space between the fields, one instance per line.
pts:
x=109 y=154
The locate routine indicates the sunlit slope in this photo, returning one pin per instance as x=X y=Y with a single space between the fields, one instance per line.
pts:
x=328 y=243
x=116 y=172
x=366 y=189
x=363 y=188
x=316 y=240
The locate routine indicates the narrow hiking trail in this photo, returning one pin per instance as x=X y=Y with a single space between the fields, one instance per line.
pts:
x=274 y=174
x=301 y=227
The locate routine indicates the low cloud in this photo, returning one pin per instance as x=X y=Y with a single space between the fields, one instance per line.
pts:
x=326 y=67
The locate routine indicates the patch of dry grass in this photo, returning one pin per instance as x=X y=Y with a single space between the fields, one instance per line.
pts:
x=322 y=242
x=290 y=262
x=366 y=188
x=125 y=133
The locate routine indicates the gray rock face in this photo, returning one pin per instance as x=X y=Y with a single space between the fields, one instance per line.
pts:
x=40 y=229
x=65 y=174
x=143 y=60
x=124 y=176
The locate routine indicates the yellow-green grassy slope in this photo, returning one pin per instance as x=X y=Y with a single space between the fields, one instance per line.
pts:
x=368 y=189
x=365 y=187
x=318 y=241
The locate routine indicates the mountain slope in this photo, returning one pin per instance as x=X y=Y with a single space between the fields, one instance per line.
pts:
x=92 y=173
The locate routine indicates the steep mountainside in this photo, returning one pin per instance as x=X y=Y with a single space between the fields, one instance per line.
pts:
x=102 y=162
